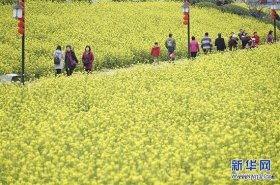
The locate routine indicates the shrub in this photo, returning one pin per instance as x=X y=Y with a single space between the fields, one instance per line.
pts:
x=234 y=9
x=256 y=13
x=193 y=2
x=207 y=4
x=267 y=19
x=8 y=1
x=223 y=2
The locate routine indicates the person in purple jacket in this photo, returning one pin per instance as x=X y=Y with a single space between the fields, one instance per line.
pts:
x=269 y=38
x=88 y=59
x=70 y=60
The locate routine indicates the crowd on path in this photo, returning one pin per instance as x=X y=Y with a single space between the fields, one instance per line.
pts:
x=69 y=60
x=206 y=44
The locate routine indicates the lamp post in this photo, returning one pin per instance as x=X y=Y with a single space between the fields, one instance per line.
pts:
x=273 y=16
x=18 y=13
x=186 y=12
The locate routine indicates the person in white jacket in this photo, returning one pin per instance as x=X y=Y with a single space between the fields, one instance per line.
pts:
x=58 y=64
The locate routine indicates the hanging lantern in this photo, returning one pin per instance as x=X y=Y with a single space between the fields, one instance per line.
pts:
x=18 y=11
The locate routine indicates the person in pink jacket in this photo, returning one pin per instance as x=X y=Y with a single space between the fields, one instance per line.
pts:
x=194 y=47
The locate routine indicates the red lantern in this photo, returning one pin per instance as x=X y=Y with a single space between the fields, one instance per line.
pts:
x=186 y=18
x=21 y=27
x=21 y=24
x=21 y=3
x=21 y=19
x=21 y=30
x=273 y=14
x=185 y=22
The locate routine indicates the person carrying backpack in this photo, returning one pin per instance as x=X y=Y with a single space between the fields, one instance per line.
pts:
x=232 y=43
x=170 y=45
x=58 y=58
x=206 y=43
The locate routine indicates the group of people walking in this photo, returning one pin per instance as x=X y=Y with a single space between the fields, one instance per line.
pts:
x=69 y=60
x=246 y=40
x=206 y=44
x=170 y=45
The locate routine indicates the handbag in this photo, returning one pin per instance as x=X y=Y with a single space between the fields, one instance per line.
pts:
x=73 y=63
x=86 y=62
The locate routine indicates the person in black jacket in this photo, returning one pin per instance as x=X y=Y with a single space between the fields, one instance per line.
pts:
x=71 y=60
x=220 y=43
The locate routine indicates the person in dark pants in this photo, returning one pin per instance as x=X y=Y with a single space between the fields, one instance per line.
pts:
x=232 y=43
x=71 y=60
x=194 y=47
x=220 y=43
x=244 y=40
x=88 y=59
x=206 y=43
x=58 y=58
x=170 y=45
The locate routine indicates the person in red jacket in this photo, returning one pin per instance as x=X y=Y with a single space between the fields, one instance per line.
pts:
x=155 y=52
x=255 y=40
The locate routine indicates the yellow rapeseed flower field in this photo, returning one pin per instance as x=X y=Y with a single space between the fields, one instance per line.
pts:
x=167 y=124
x=120 y=34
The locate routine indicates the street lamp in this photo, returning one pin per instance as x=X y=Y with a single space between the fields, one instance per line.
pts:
x=186 y=12
x=274 y=17
x=18 y=13
x=185 y=8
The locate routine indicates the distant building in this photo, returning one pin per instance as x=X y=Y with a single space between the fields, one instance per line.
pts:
x=275 y=4
x=263 y=1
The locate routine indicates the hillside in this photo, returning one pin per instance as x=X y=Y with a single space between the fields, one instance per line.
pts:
x=168 y=124
x=120 y=34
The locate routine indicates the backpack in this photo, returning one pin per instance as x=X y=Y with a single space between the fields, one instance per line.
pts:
x=169 y=43
x=56 y=60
